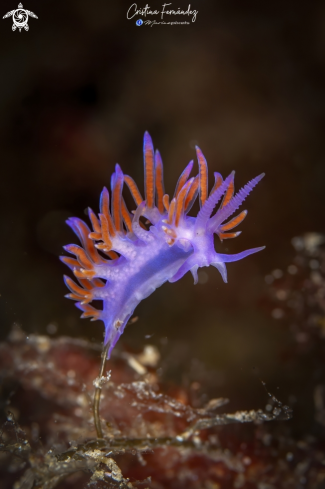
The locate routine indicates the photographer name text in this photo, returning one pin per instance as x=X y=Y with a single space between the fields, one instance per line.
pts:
x=133 y=11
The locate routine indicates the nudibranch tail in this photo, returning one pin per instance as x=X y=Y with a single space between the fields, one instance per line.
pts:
x=121 y=260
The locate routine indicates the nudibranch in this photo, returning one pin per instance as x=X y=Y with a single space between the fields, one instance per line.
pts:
x=123 y=260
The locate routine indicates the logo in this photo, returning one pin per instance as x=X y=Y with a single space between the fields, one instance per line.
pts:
x=20 y=18
x=139 y=22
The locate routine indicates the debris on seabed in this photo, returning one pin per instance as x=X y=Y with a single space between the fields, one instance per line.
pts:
x=151 y=439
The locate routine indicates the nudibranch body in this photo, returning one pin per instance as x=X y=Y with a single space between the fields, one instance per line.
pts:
x=135 y=260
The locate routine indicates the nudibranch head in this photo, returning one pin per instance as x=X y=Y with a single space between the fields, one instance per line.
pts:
x=122 y=260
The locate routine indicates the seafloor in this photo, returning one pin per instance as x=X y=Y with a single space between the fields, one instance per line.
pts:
x=158 y=434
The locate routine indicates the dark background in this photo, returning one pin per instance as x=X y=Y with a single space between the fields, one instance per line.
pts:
x=77 y=92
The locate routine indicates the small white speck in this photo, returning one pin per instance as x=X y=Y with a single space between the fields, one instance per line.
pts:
x=292 y=269
x=276 y=411
x=277 y=313
x=316 y=278
x=277 y=273
x=51 y=328
x=247 y=461
x=269 y=279
x=281 y=295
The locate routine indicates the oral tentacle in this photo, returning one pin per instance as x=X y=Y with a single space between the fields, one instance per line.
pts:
x=238 y=256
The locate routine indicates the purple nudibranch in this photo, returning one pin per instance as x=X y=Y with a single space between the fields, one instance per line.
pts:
x=135 y=260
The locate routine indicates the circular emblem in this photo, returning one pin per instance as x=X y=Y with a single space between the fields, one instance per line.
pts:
x=139 y=22
x=20 y=18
